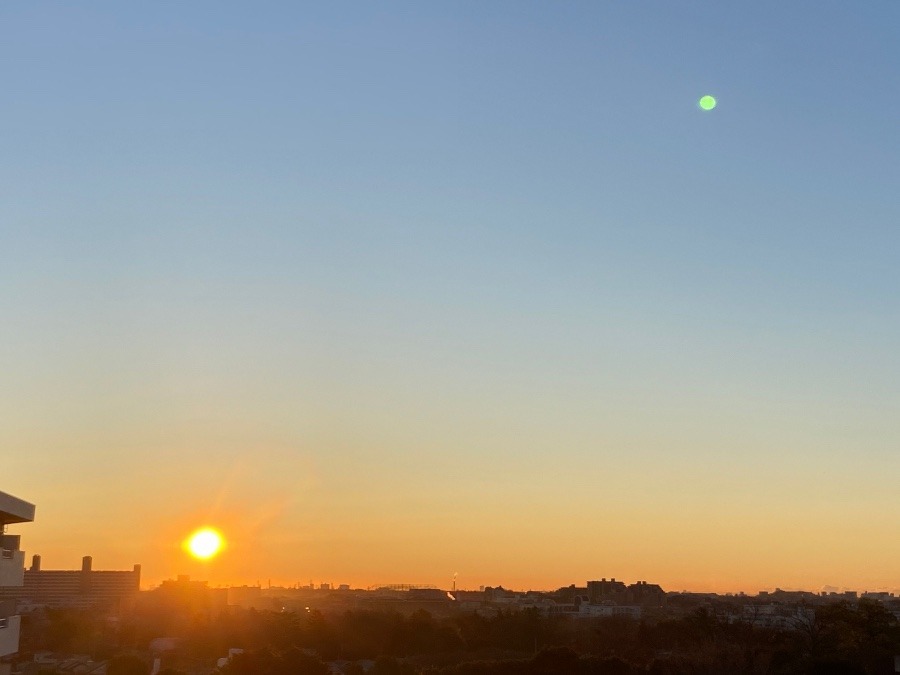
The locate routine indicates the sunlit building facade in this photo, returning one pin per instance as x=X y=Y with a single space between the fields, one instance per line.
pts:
x=12 y=569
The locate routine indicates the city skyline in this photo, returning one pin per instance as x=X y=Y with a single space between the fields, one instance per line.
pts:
x=391 y=292
x=118 y=579
x=452 y=581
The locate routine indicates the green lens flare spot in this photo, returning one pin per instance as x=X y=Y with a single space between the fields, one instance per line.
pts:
x=707 y=102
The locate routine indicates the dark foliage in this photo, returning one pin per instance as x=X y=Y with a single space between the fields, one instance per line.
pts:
x=127 y=664
x=836 y=638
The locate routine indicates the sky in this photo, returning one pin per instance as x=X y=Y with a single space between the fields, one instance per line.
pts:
x=392 y=291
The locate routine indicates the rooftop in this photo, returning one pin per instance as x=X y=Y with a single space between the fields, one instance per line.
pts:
x=15 y=510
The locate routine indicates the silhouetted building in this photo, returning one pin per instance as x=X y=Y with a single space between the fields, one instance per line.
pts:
x=498 y=595
x=604 y=591
x=12 y=563
x=571 y=594
x=646 y=595
x=427 y=594
x=188 y=596
x=84 y=588
x=606 y=611
x=247 y=597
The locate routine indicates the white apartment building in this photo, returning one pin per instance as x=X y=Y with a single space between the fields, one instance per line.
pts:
x=12 y=572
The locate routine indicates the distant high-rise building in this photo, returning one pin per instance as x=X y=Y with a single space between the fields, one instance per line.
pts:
x=12 y=565
x=82 y=588
x=606 y=591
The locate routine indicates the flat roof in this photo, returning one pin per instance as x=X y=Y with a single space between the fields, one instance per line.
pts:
x=15 y=510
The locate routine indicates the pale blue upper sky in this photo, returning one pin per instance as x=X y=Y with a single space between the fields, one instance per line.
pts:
x=424 y=239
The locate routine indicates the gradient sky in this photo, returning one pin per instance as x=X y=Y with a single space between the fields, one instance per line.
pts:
x=388 y=291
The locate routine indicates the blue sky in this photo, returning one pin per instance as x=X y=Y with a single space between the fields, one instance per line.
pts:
x=361 y=242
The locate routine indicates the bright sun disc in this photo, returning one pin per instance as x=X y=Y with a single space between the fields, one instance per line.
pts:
x=204 y=543
x=707 y=102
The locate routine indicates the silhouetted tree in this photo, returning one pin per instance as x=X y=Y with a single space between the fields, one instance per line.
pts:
x=297 y=662
x=555 y=660
x=127 y=664
x=606 y=666
x=388 y=665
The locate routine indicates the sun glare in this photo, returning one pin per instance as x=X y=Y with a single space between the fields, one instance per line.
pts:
x=707 y=102
x=204 y=543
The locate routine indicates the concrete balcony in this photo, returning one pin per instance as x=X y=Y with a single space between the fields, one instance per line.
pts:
x=12 y=567
x=9 y=634
x=15 y=510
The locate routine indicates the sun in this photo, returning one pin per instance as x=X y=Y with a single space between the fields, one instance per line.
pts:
x=707 y=102
x=204 y=543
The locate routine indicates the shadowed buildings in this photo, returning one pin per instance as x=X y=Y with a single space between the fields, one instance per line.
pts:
x=611 y=591
x=616 y=592
x=80 y=589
